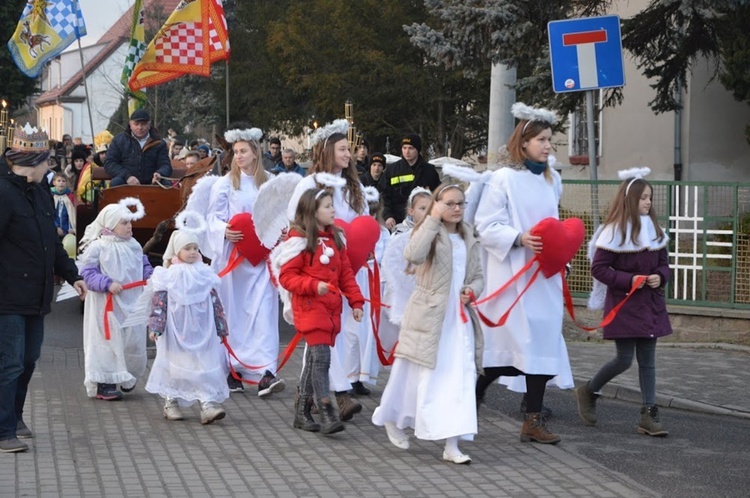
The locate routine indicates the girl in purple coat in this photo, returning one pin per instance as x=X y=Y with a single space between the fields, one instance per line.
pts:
x=630 y=244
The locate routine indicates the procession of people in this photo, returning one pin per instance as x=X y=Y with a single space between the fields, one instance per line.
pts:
x=343 y=243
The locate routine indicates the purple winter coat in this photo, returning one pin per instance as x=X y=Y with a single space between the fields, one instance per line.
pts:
x=645 y=313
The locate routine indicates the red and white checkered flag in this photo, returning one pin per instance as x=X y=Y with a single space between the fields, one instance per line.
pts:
x=194 y=37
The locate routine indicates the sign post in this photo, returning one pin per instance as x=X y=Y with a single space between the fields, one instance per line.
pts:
x=586 y=55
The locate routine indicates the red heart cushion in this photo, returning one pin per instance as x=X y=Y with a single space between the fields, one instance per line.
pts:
x=250 y=245
x=561 y=240
x=361 y=236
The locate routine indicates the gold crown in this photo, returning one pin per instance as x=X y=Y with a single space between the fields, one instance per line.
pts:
x=28 y=139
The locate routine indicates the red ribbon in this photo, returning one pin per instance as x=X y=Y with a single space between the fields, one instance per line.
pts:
x=283 y=356
x=639 y=281
x=487 y=321
x=109 y=306
x=373 y=278
x=235 y=258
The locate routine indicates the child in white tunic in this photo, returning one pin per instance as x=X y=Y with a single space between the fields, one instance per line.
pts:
x=111 y=259
x=186 y=317
x=431 y=387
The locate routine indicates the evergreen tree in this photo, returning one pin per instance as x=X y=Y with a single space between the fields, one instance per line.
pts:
x=16 y=87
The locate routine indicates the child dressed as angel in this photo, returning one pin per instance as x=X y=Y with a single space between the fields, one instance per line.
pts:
x=187 y=323
x=111 y=259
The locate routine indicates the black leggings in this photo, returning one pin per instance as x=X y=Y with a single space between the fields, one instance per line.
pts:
x=535 y=385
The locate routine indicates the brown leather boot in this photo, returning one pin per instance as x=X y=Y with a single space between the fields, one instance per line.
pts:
x=650 y=424
x=586 y=400
x=348 y=406
x=535 y=429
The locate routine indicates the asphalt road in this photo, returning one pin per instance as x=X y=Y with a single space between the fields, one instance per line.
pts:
x=704 y=455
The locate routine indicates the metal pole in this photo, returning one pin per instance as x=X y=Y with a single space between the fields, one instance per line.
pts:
x=591 y=130
x=86 y=89
x=226 y=65
x=501 y=121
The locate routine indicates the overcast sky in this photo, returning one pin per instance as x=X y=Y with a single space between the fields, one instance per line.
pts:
x=100 y=15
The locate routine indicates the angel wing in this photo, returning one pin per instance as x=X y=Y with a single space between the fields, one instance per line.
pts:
x=399 y=285
x=269 y=211
x=598 y=290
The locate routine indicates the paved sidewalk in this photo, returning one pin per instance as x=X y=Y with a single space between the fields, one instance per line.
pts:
x=87 y=447
x=709 y=378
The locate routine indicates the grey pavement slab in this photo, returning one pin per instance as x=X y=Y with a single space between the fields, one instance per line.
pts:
x=87 y=447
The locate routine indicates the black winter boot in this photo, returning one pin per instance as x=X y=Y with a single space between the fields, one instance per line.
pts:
x=331 y=423
x=302 y=417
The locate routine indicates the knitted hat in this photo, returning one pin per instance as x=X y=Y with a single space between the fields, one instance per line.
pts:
x=412 y=139
x=30 y=147
x=189 y=225
x=378 y=157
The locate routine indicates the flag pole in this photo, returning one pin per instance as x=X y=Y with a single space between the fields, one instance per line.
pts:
x=86 y=90
x=226 y=98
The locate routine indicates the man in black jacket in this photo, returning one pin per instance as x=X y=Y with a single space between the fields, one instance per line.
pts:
x=30 y=255
x=138 y=155
x=401 y=177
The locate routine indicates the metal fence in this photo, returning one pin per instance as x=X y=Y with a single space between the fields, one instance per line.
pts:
x=709 y=230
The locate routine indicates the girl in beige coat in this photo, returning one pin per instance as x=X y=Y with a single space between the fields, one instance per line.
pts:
x=439 y=353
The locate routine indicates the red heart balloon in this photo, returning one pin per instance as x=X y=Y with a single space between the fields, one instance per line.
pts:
x=250 y=246
x=561 y=240
x=362 y=233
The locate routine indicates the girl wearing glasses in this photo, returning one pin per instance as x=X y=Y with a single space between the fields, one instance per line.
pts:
x=431 y=386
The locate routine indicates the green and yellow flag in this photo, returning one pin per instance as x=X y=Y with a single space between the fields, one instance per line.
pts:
x=135 y=52
x=46 y=28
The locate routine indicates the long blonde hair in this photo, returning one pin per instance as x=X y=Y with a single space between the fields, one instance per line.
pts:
x=323 y=161
x=260 y=175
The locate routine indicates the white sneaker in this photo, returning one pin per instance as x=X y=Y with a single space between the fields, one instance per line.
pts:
x=396 y=436
x=211 y=412
x=172 y=410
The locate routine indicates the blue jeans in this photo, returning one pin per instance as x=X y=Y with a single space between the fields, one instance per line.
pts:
x=645 y=351
x=21 y=339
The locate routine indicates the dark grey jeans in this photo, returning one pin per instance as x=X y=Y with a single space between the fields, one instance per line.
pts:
x=314 y=378
x=645 y=352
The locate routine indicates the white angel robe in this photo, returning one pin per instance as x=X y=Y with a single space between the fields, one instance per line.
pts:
x=361 y=356
x=512 y=202
x=250 y=300
x=337 y=373
x=122 y=358
x=190 y=363
x=437 y=403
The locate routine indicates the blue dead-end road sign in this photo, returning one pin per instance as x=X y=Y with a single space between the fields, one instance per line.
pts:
x=586 y=54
